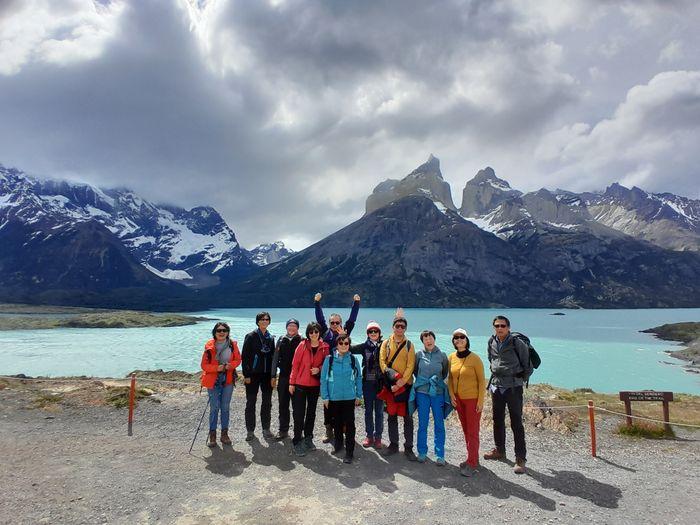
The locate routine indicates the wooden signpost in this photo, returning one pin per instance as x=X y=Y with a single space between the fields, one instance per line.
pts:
x=647 y=395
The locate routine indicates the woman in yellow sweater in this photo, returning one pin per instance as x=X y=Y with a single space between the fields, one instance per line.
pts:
x=467 y=387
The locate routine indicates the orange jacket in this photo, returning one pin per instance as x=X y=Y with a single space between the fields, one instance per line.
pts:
x=210 y=365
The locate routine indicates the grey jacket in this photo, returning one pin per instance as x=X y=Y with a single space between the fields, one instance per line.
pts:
x=505 y=365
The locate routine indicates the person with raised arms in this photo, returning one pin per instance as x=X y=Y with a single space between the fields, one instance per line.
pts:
x=329 y=335
x=397 y=359
x=305 y=385
x=341 y=391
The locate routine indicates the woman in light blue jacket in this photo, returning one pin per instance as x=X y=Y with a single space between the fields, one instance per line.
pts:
x=341 y=391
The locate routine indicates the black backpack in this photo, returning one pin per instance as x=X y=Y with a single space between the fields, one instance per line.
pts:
x=535 y=360
x=353 y=363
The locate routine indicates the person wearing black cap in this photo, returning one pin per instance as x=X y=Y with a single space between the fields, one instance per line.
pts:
x=284 y=353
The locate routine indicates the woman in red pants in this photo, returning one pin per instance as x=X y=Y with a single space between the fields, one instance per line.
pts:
x=467 y=387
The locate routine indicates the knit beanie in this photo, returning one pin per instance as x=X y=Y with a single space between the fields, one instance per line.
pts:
x=375 y=325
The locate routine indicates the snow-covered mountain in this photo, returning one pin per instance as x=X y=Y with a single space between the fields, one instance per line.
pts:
x=195 y=247
x=269 y=253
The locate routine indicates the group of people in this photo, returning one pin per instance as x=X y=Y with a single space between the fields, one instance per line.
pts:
x=393 y=377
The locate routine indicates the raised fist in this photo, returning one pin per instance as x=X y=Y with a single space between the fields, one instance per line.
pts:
x=317 y=297
x=356 y=298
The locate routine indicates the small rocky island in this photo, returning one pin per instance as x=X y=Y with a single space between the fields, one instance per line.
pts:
x=687 y=333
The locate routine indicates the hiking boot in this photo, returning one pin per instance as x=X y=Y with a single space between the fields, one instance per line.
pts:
x=267 y=434
x=367 y=442
x=408 y=452
x=422 y=458
x=519 y=467
x=495 y=454
x=463 y=464
x=225 y=440
x=300 y=449
x=250 y=435
x=211 y=442
x=329 y=434
x=440 y=462
x=281 y=435
x=466 y=471
x=378 y=445
x=347 y=460
x=392 y=449
x=309 y=444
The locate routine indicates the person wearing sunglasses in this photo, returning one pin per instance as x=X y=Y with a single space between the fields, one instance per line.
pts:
x=284 y=353
x=304 y=387
x=258 y=350
x=374 y=407
x=329 y=335
x=397 y=359
x=467 y=386
x=430 y=393
x=506 y=354
x=341 y=391
x=219 y=362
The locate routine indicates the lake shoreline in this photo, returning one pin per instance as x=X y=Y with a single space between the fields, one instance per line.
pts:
x=687 y=333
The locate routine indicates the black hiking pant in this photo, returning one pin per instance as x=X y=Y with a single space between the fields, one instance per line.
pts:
x=285 y=399
x=513 y=399
x=393 y=426
x=304 y=403
x=342 y=414
x=262 y=383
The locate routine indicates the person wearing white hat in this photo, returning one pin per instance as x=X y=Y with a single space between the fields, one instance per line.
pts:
x=467 y=386
x=374 y=407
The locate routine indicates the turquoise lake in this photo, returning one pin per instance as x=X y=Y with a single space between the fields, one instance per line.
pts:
x=600 y=349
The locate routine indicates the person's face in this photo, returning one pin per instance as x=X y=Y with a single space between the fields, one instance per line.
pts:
x=399 y=329
x=373 y=334
x=221 y=333
x=314 y=335
x=428 y=342
x=292 y=330
x=501 y=328
x=264 y=323
x=460 y=341
x=343 y=346
x=336 y=323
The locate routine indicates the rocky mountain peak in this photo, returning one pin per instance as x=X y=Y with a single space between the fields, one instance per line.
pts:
x=425 y=181
x=485 y=192
x=268 y=253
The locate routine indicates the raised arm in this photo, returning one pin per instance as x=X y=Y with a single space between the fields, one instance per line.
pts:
x=320 y=319
x=350 y=324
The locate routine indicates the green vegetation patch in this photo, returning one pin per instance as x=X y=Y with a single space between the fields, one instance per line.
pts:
x=645 y=430
x=46 y=399
x=118 y=396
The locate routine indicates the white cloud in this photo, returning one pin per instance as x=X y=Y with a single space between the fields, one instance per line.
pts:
x=672 y=52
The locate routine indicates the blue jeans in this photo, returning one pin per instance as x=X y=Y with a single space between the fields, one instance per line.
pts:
x=425 y=404
x=374 y=410
x=219 y=400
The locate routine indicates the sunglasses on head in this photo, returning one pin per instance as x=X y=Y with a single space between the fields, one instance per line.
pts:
x=221 y=331
x=500 y=325
x=373 y=331
x=343 y=343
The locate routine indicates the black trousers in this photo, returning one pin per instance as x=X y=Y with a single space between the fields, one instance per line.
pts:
x=513 y=399
x=304 y=403
x=285 y=399
x=342 y=415
x=393 y=426
x=262 y=383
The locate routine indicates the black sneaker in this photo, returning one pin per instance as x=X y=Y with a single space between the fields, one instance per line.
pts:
x=309 y=444
x=300 y=449
x=250 y=436
x=267 y=434
x=347 y=459
x=392 y=449
x=281 y=435
x=410 y=455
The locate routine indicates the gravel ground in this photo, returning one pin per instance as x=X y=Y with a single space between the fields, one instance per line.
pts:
x=73 y=462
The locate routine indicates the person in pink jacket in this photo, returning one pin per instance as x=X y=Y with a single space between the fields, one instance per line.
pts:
x=305 y=386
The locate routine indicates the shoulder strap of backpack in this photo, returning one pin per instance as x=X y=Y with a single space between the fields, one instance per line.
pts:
x=330 y=363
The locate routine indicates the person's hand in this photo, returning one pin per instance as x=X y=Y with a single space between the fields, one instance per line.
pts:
x=340 y=331
x=400 y=383
x=453 y=401
x=317 y=297
x=273 y=382
x=221 y=368
x=315 y=370
x=356 y=298
x=479 y=407
x=394 y=388
x=291 y=390
x=325 y=403
x=358 y=402
x=246 y=380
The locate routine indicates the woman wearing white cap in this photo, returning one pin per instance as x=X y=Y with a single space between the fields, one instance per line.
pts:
x=374 y=407
x=467 y=386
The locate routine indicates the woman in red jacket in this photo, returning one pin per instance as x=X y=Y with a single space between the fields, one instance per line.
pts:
x=219 y=362
x=305 y=387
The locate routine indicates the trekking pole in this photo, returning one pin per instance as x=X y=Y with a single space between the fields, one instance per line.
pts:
x=200 y=424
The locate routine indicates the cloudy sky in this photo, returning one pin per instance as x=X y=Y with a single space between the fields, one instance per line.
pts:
x=284 y=114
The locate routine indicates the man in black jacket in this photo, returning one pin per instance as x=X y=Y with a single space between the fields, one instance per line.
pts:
x=284 y=353
x=258 y=349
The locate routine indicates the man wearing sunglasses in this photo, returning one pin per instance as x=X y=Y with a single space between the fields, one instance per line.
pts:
x=506 y=354
x=330 y=336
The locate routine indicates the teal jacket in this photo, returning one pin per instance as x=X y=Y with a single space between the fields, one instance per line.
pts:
x=436 y=387
x=343 y=382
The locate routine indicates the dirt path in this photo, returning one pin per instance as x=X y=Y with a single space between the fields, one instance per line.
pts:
x=72 y=462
